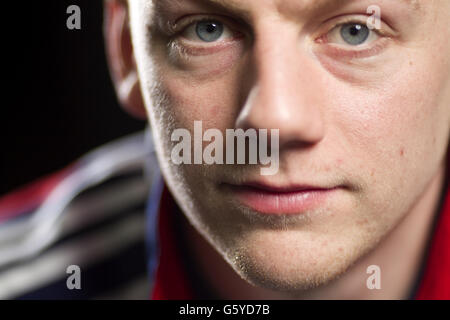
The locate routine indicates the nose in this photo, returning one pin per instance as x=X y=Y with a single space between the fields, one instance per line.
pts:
x=285 y=90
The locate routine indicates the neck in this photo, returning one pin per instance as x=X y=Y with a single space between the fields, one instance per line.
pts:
x=400 y=256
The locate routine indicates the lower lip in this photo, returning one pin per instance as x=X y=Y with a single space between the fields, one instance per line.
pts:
x=282 y=203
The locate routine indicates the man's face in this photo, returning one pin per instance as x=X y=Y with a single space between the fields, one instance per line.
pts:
x=364 y=116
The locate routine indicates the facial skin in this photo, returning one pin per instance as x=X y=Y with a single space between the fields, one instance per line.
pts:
x=372 y=120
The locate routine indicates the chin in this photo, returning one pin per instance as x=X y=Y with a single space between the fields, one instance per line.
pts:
x=291 y=263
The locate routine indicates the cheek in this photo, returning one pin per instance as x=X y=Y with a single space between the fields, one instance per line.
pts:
x=397 y=131
x=215 y=102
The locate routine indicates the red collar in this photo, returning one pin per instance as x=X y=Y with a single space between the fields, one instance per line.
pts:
x=435 y=282
x=171 y=278
x=172 y=281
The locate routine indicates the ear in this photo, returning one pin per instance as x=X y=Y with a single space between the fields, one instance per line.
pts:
x=119 y=51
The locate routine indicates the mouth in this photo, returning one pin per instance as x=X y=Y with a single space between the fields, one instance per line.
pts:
x=281 y=200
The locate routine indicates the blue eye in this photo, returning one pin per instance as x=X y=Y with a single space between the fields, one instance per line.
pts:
x=354 y=33
x=209 y=31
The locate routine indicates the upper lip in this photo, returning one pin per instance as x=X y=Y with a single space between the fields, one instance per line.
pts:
x=290 y=188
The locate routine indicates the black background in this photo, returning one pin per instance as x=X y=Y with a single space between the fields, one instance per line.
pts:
x=58 y=100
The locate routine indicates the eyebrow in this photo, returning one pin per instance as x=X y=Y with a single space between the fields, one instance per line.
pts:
x=235 y=6
x=413 y=3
